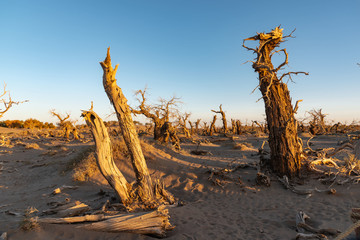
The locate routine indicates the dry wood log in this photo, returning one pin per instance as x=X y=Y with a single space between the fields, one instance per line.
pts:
x=310 y=236
x=104 y=157
x=74 y=211
x=324 y=161
x=86 y=218
x=128 y=130
x=309 y=192
x=154 y=223
x=302 y=226
x=69 y=209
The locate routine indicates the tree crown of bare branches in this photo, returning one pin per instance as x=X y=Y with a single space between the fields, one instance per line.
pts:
x=275 y=37
x=165 y=109
x=7 y=104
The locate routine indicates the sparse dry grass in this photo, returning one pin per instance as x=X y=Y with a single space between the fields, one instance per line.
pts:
x=29 y=222
x=244 y=146
x=83 y=164
x=352 y=163
x=32 y=146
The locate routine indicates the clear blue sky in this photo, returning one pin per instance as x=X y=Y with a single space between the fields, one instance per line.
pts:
x=50 y=53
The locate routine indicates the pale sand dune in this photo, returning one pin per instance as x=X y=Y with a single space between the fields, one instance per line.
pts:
x=246 y=211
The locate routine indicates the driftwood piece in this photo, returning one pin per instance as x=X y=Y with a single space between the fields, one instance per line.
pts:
x=310 y=236
x=309 y=192
x=79 y=219
x=325 y=161
x=154 y=223
x=302 y=226
x=69 y=209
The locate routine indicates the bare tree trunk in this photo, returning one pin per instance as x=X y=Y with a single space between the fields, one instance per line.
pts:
x=128 y=130
x=286 y=150
x=192 y=130
x=223 y=118
x=104 y=156
x=233 y=126
x=212 y=126
x=197 y=124
x=238 y=127
x=205 y=129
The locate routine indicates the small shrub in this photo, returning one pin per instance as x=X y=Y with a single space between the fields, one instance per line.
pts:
x=243 y=146
x=32 y=146
x=352 y=163
x=83 y=165
x=29 y=222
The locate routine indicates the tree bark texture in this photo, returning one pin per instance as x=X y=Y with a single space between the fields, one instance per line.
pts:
x=286 y=149
x=128 y=130
x=104 y=156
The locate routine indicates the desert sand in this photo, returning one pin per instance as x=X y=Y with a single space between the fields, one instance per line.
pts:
x=33 y=164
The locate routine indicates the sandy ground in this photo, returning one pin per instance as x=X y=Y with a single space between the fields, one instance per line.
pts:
x=35 y=164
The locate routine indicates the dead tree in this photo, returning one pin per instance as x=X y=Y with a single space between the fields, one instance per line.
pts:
x=238 y=127
x=67 y=126
x=212 y=126
x=233 y=126
x=192 y=129
x=160 y=115
x=223 y=118
x=144 y=189
x=182 y=122
x=197 y=124
x=317 y=123
x=205 y=128
x=285 y=146
x=261 y=127
x=6 y=103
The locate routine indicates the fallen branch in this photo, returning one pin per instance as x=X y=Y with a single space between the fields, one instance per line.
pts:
x=302 y=226
x=69 y=210
x=309 y=192
x=310 y=236
x=153 y=223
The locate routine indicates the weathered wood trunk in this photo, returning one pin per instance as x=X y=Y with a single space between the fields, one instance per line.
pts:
x=158 y=125
x=104 y=157
x=197 y=124
x=286 y=150
x=128 y=130
x=212 y=126
x=223 y=118
x=238 y=127
x=154 y=223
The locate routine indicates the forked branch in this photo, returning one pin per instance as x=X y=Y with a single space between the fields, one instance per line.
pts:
x=7 y=104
